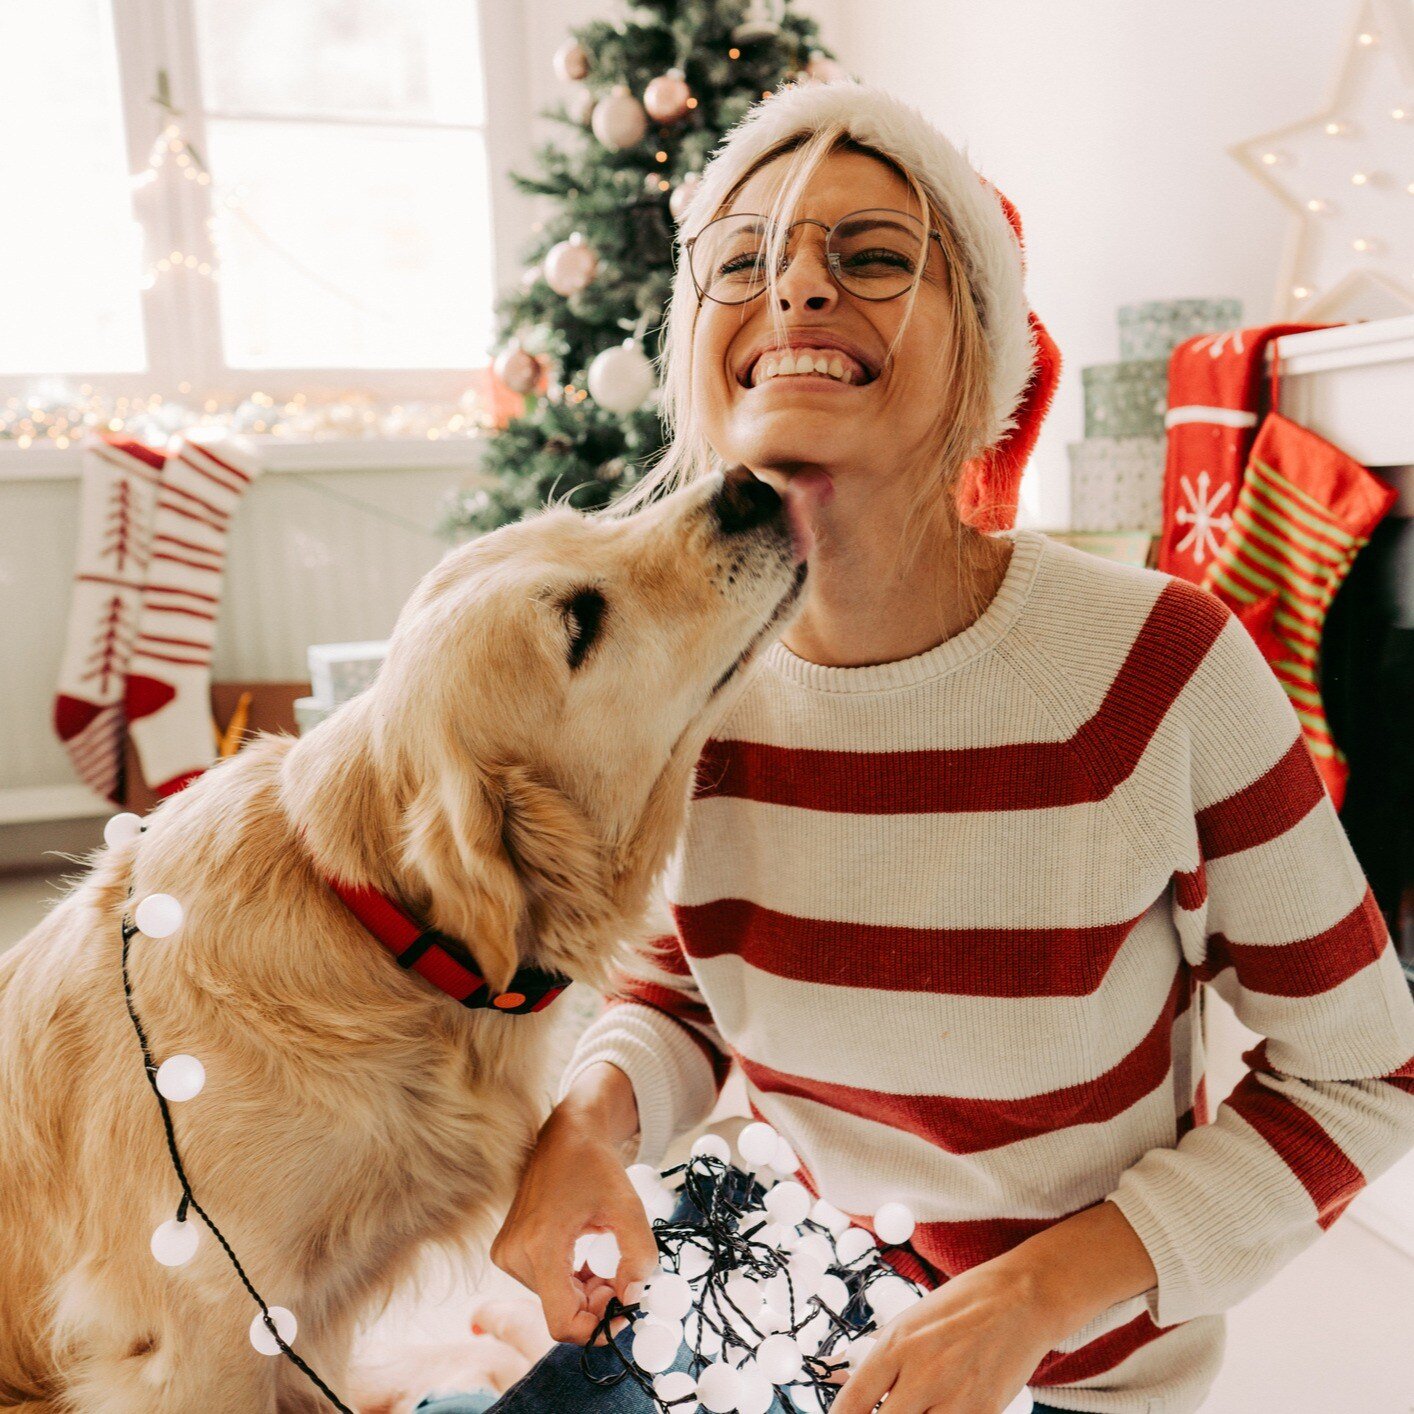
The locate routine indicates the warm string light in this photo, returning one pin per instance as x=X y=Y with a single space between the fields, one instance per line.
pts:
x=178 y=1079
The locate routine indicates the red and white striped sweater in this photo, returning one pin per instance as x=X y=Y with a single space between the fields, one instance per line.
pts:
x=951 y=916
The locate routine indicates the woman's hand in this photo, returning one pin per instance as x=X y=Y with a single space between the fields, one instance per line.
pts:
x=966 y=1348
x=575 y=1183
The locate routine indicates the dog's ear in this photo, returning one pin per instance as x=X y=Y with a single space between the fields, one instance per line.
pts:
x=561 y=862
x=452 y=838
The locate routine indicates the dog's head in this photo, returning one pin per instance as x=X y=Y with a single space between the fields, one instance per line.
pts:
x=530 y=739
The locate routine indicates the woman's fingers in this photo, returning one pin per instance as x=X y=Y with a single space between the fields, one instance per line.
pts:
x=868 y=1384
x=638 y=1250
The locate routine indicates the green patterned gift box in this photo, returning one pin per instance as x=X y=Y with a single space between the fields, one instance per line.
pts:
x=1126 y=399
x=1154 y=329
x=1117 y=483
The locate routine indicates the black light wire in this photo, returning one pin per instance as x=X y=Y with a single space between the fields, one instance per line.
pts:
x=188 y=1200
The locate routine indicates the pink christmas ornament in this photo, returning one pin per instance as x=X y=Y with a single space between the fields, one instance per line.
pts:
x=666 y=97
x=822 y=68
x=682 y=195
x=571 y=61
x=619 y=120
x=518 y=370
x=570 y=265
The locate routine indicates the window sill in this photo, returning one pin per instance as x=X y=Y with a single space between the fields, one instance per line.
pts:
x=280 y=454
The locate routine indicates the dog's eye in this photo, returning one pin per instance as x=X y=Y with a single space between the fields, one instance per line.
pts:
x=584 y=613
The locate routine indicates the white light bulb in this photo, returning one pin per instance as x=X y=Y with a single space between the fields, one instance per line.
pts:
x=829 y=1217
x=693 y=1262
x=669 y=1297
x=755 y=1394
x=158 y=915
x=661 y=1205
x=1359 y=179
x=807 y=1272
x=889 y=1297
x=711 y=1146
x=818 y=1245
x=894 y=1223
x=778 y=1357
x=833 y=1293
x=644 y=1178
x=718 y=1387
x=756 y=1143
x=673 y=1386
x=655 y=1346
x=122 y=829
x=788 y=1203
x=850 y=1246
x=174 y=1244
x=260 y=1336
x=785 y=1159
x=602 y=1256
x=1022 y=1404
x=180 y=1078
x=857 y=1351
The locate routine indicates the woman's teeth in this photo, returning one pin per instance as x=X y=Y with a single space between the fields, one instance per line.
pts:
x=803 y=361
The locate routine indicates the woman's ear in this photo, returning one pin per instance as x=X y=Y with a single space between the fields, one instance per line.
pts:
x=453 y=841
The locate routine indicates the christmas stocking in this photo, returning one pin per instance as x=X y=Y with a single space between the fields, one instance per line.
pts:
x=168 y=696
x=117 y=496
x=1304 y=512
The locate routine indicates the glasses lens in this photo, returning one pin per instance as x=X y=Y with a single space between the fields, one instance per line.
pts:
x=874 y=254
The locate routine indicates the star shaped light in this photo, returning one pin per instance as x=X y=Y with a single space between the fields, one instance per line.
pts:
x=1347 y=175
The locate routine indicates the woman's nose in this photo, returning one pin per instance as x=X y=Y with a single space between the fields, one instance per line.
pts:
x=806 y=281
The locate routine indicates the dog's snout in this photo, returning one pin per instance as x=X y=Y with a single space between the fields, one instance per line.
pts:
x=742 y=502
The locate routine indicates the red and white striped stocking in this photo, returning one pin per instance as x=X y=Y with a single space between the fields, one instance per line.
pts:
x=117 y=498
x=168 y=697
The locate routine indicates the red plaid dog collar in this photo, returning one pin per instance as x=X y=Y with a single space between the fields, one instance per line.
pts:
x=425 y=951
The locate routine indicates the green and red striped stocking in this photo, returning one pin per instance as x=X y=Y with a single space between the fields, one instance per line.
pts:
x=1304 y=512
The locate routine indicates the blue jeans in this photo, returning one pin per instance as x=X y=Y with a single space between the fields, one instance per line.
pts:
x=557 y=1383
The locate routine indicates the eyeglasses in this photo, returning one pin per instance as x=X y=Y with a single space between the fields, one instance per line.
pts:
x=874 y=254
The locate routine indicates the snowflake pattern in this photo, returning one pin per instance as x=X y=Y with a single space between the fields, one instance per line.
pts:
x=1203 y=515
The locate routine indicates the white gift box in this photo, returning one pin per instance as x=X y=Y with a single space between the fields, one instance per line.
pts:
x=1117 y=483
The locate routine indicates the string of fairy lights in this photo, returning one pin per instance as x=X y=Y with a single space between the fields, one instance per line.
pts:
x=761 y=1290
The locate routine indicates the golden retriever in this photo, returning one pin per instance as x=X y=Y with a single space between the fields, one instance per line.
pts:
x=515 y=777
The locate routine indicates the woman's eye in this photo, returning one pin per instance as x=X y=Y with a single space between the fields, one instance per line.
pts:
x=584 y=613
x=862 y=261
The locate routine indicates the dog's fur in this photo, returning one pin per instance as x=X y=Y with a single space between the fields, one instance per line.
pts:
x=353 y=1114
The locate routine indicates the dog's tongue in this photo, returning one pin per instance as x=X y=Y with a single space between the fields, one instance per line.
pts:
x=805 y=492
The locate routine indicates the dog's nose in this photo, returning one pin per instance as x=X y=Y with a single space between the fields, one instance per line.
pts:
x=742 y=502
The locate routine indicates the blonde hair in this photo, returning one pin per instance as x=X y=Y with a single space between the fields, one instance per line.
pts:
x=961 y=368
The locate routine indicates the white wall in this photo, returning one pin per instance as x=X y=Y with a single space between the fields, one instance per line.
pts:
x=1107 y=122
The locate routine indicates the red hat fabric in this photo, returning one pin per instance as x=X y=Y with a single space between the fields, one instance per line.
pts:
x=1025 y=363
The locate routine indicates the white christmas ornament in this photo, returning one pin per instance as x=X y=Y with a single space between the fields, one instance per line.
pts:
x=285 y=1324
x=570 y=265
x=756 y=1143
x=711 y=1146
x=579 y=104
x=759 y=23
x=666 y=97
x=122 y=829
x=174 y=1244
x=620 y=379
x=571 y=61
x=180 y=1078
x=158 y=915
x=619 y=120
x=894 y=1223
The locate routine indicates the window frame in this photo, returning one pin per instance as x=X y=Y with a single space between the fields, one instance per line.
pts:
x=181 y=313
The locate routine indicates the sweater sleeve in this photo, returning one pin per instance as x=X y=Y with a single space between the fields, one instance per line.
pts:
x=1279 y=920
x=658 y=1030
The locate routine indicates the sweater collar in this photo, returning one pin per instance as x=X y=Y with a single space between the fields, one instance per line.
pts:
x=438 y=958
x=983 y=634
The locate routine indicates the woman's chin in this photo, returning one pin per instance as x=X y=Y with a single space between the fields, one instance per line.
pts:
x=789 y=437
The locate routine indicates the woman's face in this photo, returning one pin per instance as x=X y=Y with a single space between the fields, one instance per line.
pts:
x=880 y=421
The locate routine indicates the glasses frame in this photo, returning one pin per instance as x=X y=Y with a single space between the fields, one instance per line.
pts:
x=832 y=260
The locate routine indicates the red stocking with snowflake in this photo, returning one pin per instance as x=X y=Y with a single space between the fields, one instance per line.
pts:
x=1304 y=512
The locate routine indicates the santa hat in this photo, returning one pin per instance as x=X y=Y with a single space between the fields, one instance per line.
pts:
x=1025 y=363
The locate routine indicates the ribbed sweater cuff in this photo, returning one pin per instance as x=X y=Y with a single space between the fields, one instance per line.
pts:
x=672 y=1079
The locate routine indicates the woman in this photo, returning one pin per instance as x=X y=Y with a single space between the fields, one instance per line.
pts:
x=969 y=841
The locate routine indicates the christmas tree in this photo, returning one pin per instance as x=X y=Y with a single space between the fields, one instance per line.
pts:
x=647 y=101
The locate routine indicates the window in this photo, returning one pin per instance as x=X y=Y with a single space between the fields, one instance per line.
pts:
x=221 y=195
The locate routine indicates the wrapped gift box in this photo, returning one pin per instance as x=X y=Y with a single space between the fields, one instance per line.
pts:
x=1126 y=399
x=1117 y=483
x=1154 y=329
x=339 y=671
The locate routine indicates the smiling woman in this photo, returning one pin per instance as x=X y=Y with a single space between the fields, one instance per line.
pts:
x=963 y=852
